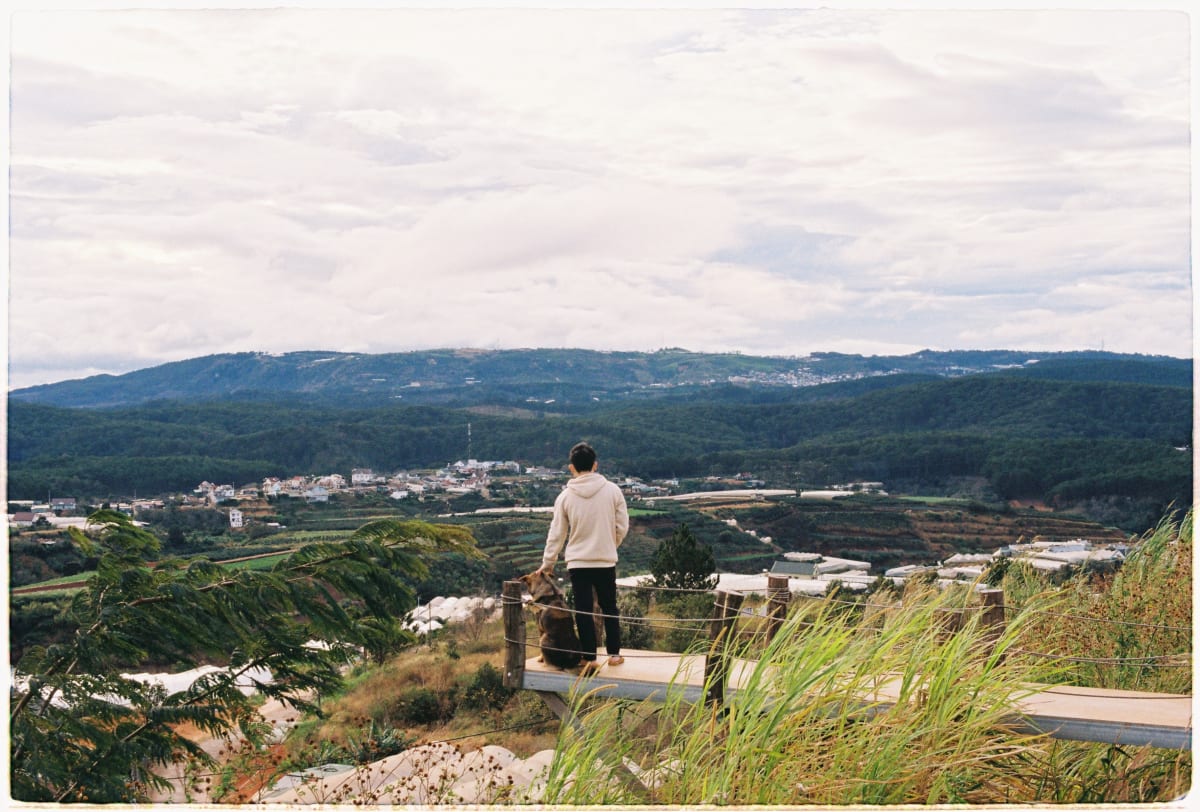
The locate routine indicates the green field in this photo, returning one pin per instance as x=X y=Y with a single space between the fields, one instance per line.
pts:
x=933 y=500
x=41 y=588
x=266 y=562
x=66 y=579
x=305 y=536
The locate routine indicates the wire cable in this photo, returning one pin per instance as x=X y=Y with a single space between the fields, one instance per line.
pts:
x=679 y=589
x=627 y=655
x=1132 y=623
x=601 y=615
x=1153 y=661
x=1110 y=696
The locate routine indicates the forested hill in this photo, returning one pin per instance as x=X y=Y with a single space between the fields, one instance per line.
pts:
x=1049 y=431
x=569 y=377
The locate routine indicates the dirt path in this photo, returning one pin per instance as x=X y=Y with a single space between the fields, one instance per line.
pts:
x=29 y=590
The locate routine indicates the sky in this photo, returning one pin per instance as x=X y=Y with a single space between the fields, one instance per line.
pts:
x=783 y=181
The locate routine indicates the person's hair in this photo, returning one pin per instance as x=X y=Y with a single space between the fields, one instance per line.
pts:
x=583 y=457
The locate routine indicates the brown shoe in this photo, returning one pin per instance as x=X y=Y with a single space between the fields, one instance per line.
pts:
x=616 y=659
x=589 y=668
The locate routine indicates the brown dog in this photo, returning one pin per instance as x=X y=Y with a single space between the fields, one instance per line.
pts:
x=559 y=642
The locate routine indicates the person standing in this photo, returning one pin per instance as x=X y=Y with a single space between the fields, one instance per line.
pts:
x=591 y=518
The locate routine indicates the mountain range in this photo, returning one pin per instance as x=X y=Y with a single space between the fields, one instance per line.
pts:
x=1103 y=435
x=565 y=376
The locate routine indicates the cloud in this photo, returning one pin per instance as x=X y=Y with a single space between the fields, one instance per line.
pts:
x=189 y=182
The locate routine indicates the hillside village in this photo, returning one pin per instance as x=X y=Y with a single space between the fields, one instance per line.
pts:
x=807 y=572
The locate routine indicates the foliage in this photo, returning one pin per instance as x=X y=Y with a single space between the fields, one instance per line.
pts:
x=635 y=630
x=373 y=743
x=31 y=560
x=805 y=729
x=1131 y=629
x=453 y=698
x=82 y=732
x=424 y=706
x=570 y=376
x=455 y=574
x=486 y=689
x=1062 y=433
x=39 y=618
x=680 y=563
x=796 y=732
x=377 y=742
x=688 y=614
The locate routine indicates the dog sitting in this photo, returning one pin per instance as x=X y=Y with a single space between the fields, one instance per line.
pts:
x=559 y=641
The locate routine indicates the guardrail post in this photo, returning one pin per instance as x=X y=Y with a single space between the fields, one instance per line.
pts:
x=948 y=621
x=778 y=596
x=992 y=614
x=716 y=664
x=514 y=635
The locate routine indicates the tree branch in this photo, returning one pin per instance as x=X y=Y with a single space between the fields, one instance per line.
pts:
x=232 y=676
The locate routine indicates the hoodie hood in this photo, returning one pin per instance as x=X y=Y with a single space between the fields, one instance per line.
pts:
x=587 y=485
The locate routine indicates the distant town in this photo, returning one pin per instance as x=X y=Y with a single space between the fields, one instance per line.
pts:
x=456 y=479
x=807 y=572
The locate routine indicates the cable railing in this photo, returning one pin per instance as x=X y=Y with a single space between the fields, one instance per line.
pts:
x=776 y=608
x=869 y=605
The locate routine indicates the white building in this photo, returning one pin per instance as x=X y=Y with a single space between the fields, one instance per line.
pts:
x=968 y=559
x=364 y=476
x=295 y=486
x=333 y=482
x=907 y=571
x=757 y=584
x=235 y=518
x=214 y=493
x=730 y=496
x=833 y=566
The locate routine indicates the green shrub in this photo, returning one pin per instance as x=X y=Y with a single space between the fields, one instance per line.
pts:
x=635 y=631
x=377 y=742
x=486 y=689
x=688 y=624
x=1131 y=629
x=421 y=706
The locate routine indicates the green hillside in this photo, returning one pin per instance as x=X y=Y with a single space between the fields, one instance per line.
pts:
x=571 y=378
x=1110 y=436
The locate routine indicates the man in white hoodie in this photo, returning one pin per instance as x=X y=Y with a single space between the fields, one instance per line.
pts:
x=590 y=516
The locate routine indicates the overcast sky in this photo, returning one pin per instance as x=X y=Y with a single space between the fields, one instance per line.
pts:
x=771 y=182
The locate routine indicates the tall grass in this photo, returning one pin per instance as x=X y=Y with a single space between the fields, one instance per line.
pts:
x=1131 y=629
x=886 y=706
x=837 y=710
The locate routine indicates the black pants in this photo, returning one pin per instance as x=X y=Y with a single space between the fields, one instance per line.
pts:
x=604 y=580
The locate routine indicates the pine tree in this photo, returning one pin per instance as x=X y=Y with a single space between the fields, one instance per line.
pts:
x=82 y=732
x=681 y=562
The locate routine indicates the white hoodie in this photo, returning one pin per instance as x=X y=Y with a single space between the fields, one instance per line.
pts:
x=591 y=517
